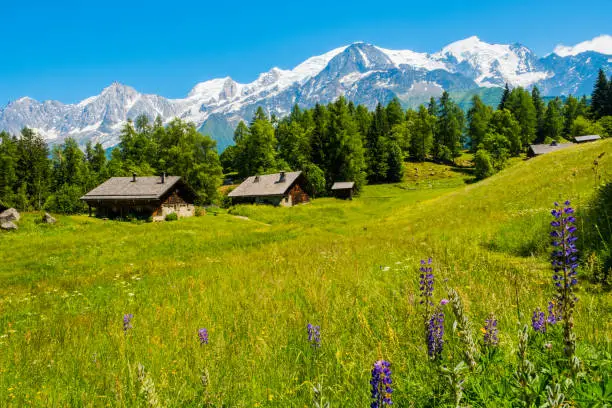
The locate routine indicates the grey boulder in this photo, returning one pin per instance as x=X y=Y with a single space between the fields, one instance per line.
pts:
x=8 y=226
x=9 y=215
x=48 y=219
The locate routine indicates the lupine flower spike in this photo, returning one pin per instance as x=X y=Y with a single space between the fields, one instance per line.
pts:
x=314 y=335
x=426 y=282
x=538 y=321
x=435 y=334
x=565 y=264
x=381 y=384
x=203 y=336
x=490 y=331
x=127 y=321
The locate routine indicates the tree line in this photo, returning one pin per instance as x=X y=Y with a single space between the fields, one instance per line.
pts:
x=339 y=141
x=35 y=177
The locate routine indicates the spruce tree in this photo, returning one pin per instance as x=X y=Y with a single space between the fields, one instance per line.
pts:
x=601 y=99
x=8 y=171
x=540 y=110
x=377 y=146
x=33 y=168
x=448 y=139
x=520 y=103
x=422 y=131
x=553 y=122
x=504 y=98
x=395 y=113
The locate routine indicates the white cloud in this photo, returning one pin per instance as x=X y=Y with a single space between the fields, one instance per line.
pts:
x=601 y=44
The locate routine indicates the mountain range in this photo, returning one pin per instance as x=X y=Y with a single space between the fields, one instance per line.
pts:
x=363 y=72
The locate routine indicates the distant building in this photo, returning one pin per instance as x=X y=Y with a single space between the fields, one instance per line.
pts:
x=142 y=197
x=344 y=189
x=286 y=189
x=587 y=138
x=540 y=149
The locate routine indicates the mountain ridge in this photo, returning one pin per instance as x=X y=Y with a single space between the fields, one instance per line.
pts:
x=361 y=71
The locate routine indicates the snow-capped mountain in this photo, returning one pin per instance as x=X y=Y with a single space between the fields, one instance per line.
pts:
x=364 y=73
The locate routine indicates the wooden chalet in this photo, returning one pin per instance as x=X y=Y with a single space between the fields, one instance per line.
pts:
x=343 y=189
x=540 y=149
x=284 y=188
x=142 y=197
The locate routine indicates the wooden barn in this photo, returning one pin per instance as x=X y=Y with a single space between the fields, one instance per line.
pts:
x=540 y=149
x=284 y=188
x=344 y=189
x=142 y=197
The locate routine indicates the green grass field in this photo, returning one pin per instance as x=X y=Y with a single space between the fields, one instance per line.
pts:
x=351 y=267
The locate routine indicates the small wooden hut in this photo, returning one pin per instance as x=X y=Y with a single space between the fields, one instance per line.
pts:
x=344 y=189
x=587 y=138
x=142 y=197
x=540 y=149
x=284 y=188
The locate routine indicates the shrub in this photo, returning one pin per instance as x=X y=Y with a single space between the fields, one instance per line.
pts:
x=199 y=211
x=483 y=166
x=171 y=217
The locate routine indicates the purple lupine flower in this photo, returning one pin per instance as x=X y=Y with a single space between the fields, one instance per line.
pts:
x=127 y=321
x=564 y=258
x=203 y=336
x=490 y=331
x=554 y=314
x=314 y=335
x=538 y=321
x=444 y=302
x=381 y=384
x=435 y=333
x=426 y=282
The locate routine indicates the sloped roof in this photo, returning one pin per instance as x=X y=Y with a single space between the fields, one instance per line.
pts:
x=587 y=138
x=343 y=185
x=547 y=148
x=123 y=188
x=265 y=185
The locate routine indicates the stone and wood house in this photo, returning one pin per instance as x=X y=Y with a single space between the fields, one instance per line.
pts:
x=284 y=189
x=142 y=197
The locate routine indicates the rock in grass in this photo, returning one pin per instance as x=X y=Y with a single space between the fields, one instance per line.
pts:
x=8 y=226
x=48 y=219
x=9 y=215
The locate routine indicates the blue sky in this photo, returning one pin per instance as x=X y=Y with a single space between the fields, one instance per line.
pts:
x=69 y=50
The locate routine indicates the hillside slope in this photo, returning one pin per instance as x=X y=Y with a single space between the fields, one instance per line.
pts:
x=349 y=266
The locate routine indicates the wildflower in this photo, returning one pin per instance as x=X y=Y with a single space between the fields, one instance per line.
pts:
x=553 y=313
x=490 y=332
x=426 y=282
x=444 y=302
x=127 y=320
x=435 y=334
x=314 y=335
x=203 y=336
x=565 y=264
x=538 y=321
x=381 y=384
x=564 y=258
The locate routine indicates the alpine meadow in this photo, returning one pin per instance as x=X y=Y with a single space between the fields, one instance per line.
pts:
x=372 y=228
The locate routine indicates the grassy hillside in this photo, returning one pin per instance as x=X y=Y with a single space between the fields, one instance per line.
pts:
x=255 y=281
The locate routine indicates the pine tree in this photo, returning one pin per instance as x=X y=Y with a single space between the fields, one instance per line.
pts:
x=540 y=109
x=377 y=146
x=478 y=116
x=520 y=103
x=395 y=163
x=346 y=154
x=395 y=113
x=422 y=131
x=553 y=122
x=601 y=101
x=8 y=170
x=449 y=133
x=570 y=113
x=504 y=98
x=33 y=168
